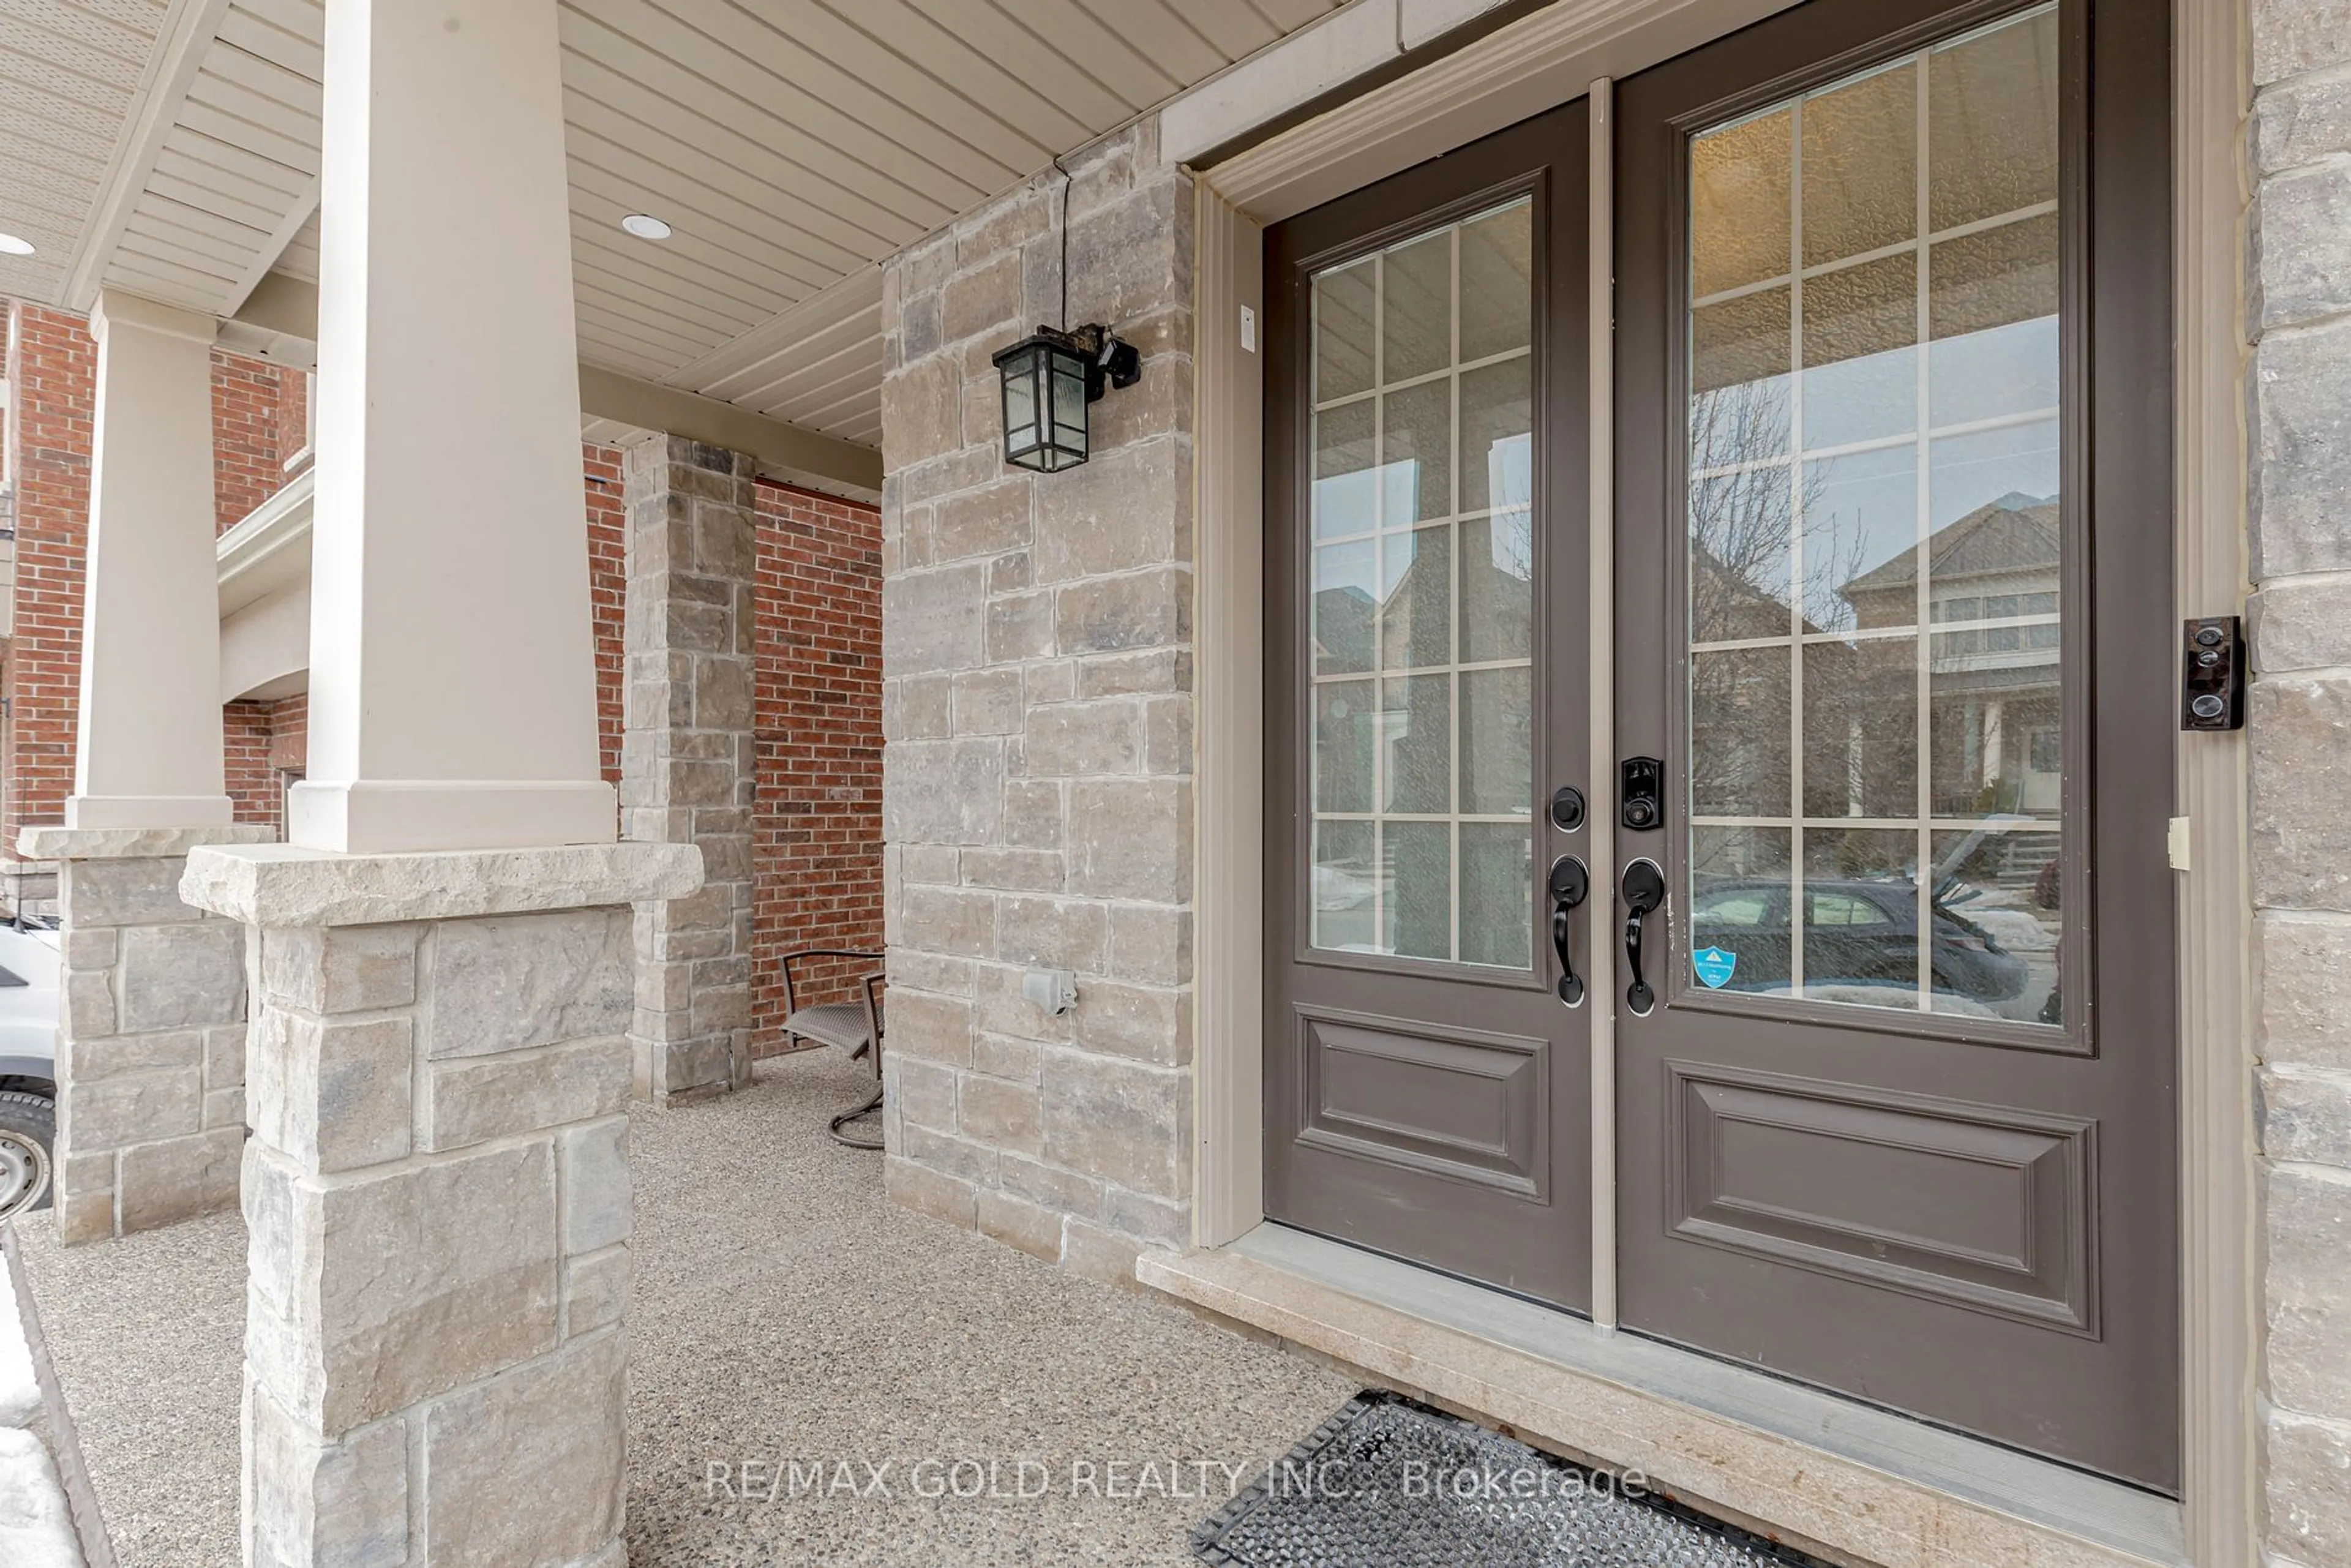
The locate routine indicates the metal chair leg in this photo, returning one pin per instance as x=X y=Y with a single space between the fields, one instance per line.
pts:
x=870 y=1107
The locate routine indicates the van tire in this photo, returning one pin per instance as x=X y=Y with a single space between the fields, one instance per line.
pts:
x=28 y=1132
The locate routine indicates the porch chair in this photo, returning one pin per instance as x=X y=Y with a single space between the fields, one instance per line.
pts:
x=854 y=1027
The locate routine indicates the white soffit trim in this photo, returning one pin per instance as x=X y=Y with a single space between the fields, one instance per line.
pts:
x=1311 y=60
x=178 y=56
x=1308 y=62
x=1516 y=72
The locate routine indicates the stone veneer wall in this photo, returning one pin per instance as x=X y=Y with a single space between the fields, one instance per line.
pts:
x=2299 y=431
x=1038 y=711
x=150 y=1043
x=688 y=766
x=438 y=1201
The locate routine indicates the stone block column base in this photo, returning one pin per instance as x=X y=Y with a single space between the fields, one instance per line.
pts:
x=437 y=1197
x=150 y=1032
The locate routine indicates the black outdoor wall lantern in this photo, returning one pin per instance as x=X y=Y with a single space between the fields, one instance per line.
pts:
x=1050 y=377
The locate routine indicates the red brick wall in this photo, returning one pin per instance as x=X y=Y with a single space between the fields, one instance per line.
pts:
x=253 y=788
x=816 y=831
x=608 y=584
x=52 y=374
x=248 y=456
x=290 y=734
x=267 y=748
x=293 y=417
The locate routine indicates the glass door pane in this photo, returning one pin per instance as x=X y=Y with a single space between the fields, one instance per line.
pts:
x=1422 y=592
x=1873 y=539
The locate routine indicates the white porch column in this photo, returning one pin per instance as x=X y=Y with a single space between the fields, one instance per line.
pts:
x=452 y=699
x=147 y=752
x=151 y=1037
x=436 y=1190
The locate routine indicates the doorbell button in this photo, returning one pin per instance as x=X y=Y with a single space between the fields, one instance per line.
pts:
x=2213 y=674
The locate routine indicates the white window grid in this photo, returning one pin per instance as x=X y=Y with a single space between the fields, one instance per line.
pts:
x=1924 y=627
x=1415 y=528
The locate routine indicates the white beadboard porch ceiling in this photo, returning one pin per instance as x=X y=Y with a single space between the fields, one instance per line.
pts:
x=170 y=148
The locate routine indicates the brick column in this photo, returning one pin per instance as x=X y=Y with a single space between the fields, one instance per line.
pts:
x=437 y=1197
x=151 y=1033
x=1037 y=801
x=2299 y=733
x=688 y=769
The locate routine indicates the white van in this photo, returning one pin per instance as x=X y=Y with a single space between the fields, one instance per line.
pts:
x=29 y=967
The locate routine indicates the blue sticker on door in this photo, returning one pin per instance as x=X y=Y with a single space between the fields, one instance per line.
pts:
x=1714 y=965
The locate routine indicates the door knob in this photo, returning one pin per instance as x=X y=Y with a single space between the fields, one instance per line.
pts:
x=1571 y=883
x=1644 y=886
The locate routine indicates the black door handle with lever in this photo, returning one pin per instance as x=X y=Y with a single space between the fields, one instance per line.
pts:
x=1571 y=883
x=1644 y=887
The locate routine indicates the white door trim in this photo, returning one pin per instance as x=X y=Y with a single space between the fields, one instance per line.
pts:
x=1550 y=57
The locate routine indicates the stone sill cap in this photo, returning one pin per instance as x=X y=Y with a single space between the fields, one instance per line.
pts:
x=284 y=885
x=63 y=843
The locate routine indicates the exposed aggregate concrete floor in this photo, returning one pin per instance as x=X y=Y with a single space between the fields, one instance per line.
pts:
x=783 y=1312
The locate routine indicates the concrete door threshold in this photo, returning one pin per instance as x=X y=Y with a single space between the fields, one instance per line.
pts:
x=1839 y=1480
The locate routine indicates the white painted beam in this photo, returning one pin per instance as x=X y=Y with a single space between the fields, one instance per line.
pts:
x=279 y=322
x=784 y=451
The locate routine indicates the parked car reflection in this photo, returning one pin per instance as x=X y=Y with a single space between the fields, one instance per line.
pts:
x=1860 y=944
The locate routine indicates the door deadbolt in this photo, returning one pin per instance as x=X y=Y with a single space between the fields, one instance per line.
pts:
x=1567 y=809
x=1644 y=794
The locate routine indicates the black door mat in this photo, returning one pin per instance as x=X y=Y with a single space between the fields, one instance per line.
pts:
x=1388 y=1482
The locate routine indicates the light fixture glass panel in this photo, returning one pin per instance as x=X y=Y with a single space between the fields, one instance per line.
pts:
x=1020 y=407
x=1069 y=401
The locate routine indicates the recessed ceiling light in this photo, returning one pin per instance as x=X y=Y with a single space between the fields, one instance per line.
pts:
x=645 y=226
x=12 y=245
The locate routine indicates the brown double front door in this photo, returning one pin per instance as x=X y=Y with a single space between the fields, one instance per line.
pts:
x=1889 y=951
